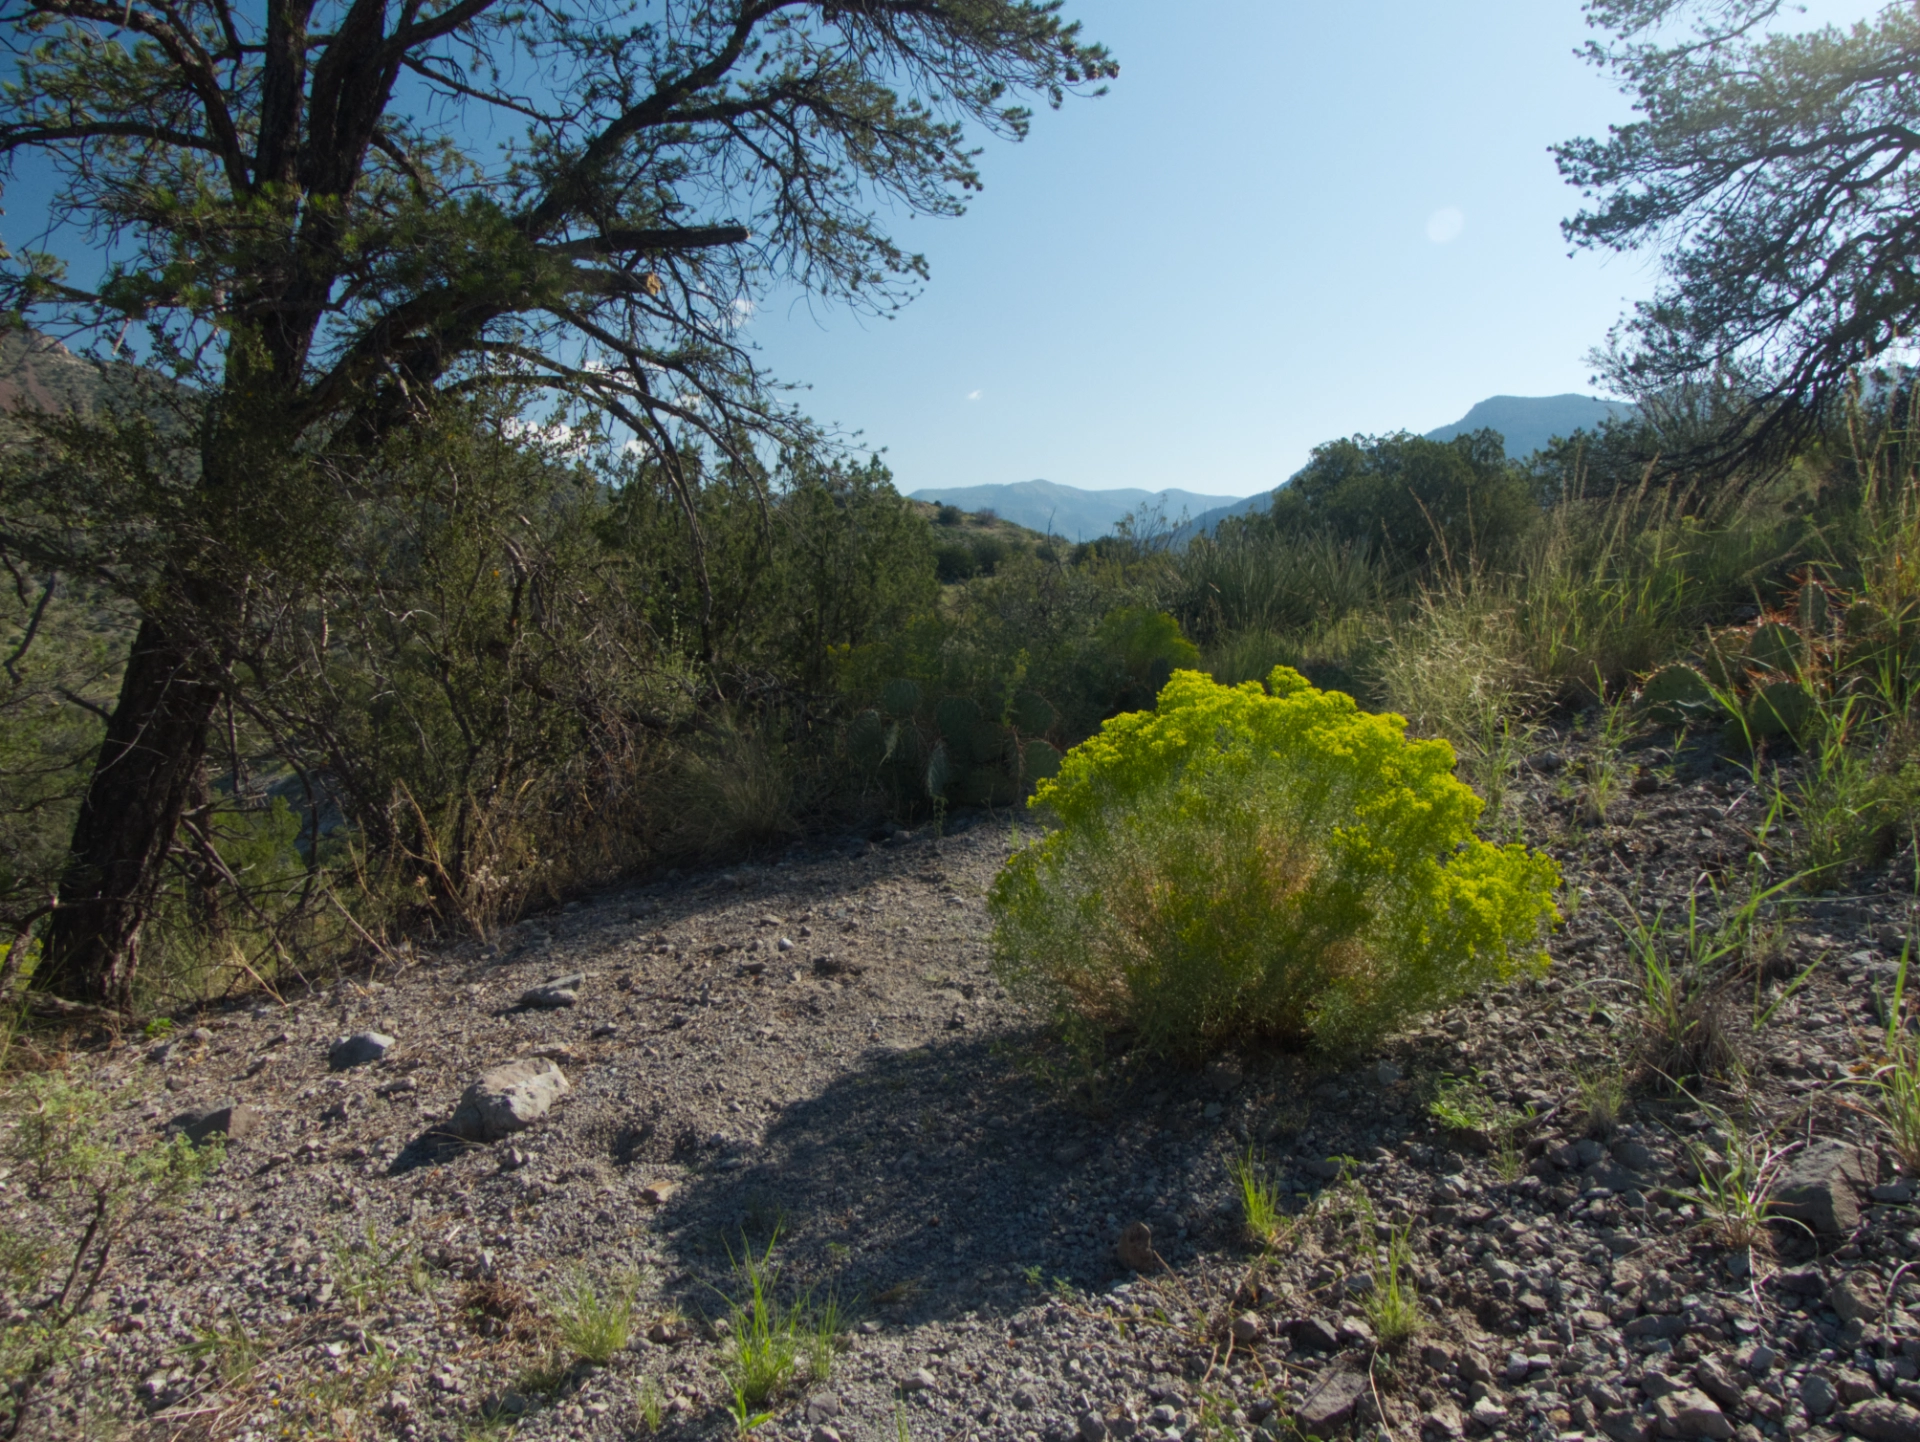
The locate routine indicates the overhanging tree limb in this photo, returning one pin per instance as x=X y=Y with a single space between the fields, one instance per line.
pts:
x=321 y=258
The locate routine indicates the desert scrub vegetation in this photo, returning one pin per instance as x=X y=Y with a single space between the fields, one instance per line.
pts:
x=78 y=1192
x=1257 y=861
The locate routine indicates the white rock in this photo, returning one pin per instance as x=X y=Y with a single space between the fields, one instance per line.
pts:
x=508 y=1099
x=359 y=1049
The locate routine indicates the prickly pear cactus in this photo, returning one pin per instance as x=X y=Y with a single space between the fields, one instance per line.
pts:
x=1776 y=646
x=871 y=740
x=1779 y=709
x=939 y=773
x=1677 y=695
x=1039 y=761
x=1031 y=715
x=900 y=698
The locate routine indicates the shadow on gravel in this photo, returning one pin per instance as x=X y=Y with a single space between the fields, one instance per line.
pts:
x=917 y=1185
x=432 y=1148
x=929 y=1182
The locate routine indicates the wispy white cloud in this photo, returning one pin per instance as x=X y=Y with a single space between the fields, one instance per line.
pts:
x=975 y=395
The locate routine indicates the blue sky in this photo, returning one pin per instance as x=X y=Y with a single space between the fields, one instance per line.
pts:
x=1287 y=222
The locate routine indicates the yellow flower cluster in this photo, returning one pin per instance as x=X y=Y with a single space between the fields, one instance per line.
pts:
x=1246 y=861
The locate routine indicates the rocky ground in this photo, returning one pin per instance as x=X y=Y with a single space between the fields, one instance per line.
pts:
x=812 y=1057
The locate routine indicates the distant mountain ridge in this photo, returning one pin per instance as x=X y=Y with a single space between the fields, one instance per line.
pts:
x=1067 y=511
x=38 y=373
x=1528 y=423
x=1525 y=423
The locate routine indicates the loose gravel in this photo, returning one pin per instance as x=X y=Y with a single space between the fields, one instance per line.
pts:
x=812 y=1056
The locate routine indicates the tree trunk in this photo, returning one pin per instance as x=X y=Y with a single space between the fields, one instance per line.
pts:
x=142 y=779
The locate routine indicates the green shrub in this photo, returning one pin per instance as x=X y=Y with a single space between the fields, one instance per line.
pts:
x=1238 y=864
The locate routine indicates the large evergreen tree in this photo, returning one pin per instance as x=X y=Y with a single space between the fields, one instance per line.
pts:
x=1778 y=175
x=328 y=213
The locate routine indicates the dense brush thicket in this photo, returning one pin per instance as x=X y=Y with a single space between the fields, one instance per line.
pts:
x=497 y=669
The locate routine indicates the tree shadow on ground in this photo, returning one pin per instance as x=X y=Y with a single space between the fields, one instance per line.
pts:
x=925 y=1183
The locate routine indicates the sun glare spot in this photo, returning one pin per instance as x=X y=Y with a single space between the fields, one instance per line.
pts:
x=1445 y=224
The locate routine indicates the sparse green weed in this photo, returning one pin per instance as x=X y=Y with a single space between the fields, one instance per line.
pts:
x=1735 y=1188
x=593 y=1323
x=1896 y=1080
x=1462 y=1105
x=1392 y=1306
x=1259 y=1199
x=234 y=1349
x=653 y=1405
x=369 y=1267
x=1604 y=771
x=81 y=1191
x=772 y=1343
x=1603 y=1097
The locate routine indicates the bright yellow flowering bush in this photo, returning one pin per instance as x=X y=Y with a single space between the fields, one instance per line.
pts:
x=1247 y=862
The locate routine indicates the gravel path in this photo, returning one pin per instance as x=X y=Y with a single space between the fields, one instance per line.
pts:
x=815 y=1051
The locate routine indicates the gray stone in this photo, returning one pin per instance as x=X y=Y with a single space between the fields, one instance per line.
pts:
x=1802 y=1281
x=1322 y=1333
x=549 y=997
x=1717 y=1382
x=360 y=1049
x=1655 y=1326
x=1855 y=1297
x=1488 y=1414
x=822 y=1406
x=1442 y=1424
x=918 y=1380
x=1822 y=1186
x=1093 y=1427
x=1386 y=1073
x=823 y=1434
x=1882 y=1421
x=1634 y=1156
x=1624 y=1426
x=1247 y=1328
x=508 y=1099
x=233 y=1121
x=1690 y=1412
x=1354 y=1332
x=1817 y=1394
x=1135 y=1249
x=1854 y=1386
x=1330 y=1401
x=1589 y=1151
x=1611 y=1175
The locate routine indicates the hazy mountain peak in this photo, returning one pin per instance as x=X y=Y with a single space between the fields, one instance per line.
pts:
x=1068 y=511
